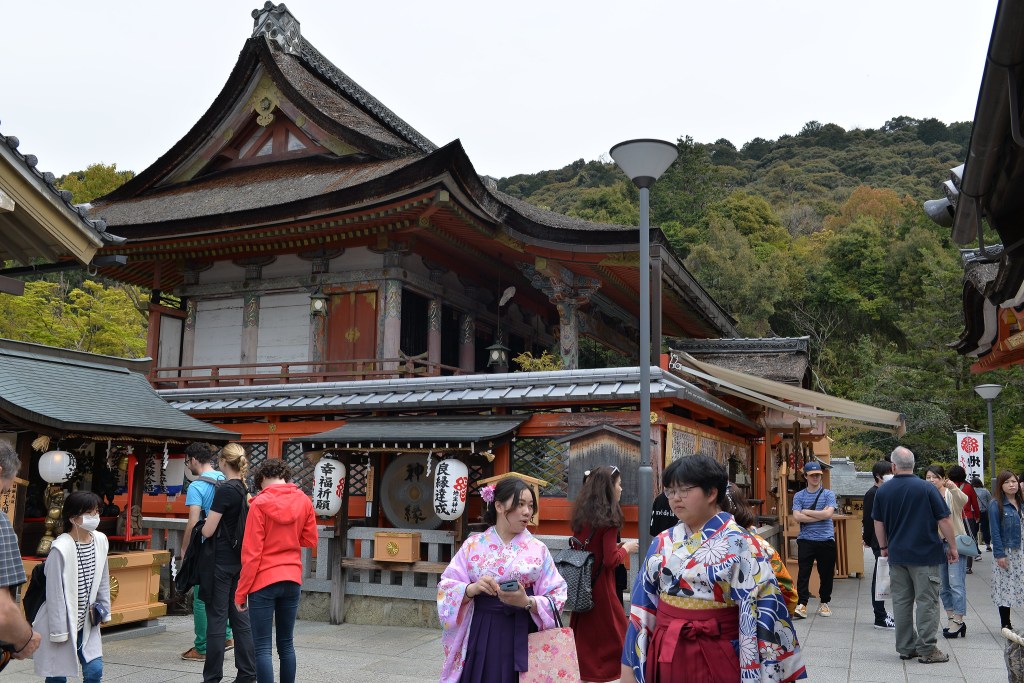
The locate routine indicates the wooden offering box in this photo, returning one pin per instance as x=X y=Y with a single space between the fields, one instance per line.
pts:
x=396 y=546
x=134 y=585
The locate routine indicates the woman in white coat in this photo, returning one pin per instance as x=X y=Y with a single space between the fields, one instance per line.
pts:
x=76 y=578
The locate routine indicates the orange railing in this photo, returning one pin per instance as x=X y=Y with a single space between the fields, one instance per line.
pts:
x=249 y=374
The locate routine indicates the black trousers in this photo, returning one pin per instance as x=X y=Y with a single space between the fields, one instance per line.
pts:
x=219 y=608
x=824 y=553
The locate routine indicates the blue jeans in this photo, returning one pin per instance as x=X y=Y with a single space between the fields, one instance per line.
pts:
x=953 y=587
x=92 y=672
x=274 y=604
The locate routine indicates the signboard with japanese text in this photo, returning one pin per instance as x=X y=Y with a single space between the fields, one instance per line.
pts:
x=970 y=453
x=9 y=498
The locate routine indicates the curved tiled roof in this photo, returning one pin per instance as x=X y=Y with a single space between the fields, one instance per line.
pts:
x=47 y=183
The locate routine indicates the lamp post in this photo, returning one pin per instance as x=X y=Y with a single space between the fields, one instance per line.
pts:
x=989 y=393
x=644 y=161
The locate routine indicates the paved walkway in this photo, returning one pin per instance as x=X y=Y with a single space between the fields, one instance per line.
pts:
x=844 y=648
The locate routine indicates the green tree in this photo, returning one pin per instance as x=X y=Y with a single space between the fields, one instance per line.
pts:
x=95 y=181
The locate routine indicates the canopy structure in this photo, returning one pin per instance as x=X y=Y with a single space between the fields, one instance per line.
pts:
x=789 y=398
x=59 y=393
x=471 y=433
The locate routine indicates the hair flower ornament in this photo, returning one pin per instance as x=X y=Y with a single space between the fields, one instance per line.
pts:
x=487 y=493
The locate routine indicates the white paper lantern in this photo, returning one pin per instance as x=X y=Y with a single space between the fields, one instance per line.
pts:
x=328 y=486
x=451 y=483
x=56 y=467
x=174 y=475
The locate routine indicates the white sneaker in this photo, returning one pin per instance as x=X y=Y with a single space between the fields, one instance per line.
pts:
x=824 y=610
x=800 y=612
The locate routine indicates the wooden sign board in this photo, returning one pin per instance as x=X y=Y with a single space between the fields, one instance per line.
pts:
x=9 y=499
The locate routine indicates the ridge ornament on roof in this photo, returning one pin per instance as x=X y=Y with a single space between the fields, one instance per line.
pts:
x=279 y=26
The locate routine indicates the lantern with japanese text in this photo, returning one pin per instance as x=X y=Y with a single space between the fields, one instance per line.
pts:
x=173 y=478
x=56 y=467
x=152 y=475
x=328 y=486
x=451 y=483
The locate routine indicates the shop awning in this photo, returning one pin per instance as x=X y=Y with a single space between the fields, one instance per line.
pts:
x=472 y=433
x=50 y=393
x=791 y=399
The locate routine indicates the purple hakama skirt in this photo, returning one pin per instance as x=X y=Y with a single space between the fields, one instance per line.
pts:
x=497 y=649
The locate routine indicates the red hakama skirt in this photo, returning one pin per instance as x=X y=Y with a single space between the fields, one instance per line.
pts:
x=694 y=646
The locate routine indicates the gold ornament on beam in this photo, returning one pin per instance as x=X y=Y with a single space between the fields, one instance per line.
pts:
x=264 y=101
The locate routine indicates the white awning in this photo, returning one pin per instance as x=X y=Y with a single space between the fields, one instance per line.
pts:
x=788 y=398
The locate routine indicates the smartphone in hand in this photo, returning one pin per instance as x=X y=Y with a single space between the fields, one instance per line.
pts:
x=509 y=586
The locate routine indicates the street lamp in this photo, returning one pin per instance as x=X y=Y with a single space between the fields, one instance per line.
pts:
x=989 y=393
x=644 y=161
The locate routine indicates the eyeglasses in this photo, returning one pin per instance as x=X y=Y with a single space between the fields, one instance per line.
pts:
x=614 y=469
x=680 y=492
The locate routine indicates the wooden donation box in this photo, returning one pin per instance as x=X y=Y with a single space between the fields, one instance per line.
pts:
x=134 y=585
x=396 y=546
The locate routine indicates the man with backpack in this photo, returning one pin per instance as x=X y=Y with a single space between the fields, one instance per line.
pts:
x=199 y=459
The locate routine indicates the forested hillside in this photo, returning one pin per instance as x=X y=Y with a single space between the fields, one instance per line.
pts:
x=822 y=234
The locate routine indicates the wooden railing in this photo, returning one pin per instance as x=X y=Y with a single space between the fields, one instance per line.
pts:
x=366 y=576
x=248 y=374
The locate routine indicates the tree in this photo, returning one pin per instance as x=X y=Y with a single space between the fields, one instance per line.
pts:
x=95 y=181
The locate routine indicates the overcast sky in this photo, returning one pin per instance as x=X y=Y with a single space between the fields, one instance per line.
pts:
x=526 y=85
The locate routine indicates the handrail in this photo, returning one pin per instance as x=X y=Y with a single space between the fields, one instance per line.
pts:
x=232 y=374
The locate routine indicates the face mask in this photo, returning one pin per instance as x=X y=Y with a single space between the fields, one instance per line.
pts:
x=90 y=522
x=886 y=477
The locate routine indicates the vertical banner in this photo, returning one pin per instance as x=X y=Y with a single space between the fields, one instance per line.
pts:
x=970 y=453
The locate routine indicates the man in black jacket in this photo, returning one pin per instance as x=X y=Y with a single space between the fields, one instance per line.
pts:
x=881 y=471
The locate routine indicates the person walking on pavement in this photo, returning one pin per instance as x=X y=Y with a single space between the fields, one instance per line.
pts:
x=1006 y=519
x=907 y=513
x=228 y=516
x=984 y=498
x=972 y=512
x=199 y=459
x=813 y=508
x=883 y=620
x=952 y=583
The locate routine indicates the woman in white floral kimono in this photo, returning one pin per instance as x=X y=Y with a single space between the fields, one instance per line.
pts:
x=706 y=606
x=485 y=627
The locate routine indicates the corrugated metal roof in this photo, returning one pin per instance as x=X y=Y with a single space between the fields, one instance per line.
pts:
x=469 y=432
x=463 y=391
x=77 y=396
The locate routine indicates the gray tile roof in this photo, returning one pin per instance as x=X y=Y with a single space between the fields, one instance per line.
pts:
x=847 y=481
x=88 y=398
x=608 y=385
x=470 y=432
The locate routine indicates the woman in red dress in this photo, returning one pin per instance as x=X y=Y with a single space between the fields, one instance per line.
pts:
x=596 y=520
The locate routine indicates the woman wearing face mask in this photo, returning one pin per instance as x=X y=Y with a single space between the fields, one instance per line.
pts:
x=77 y=596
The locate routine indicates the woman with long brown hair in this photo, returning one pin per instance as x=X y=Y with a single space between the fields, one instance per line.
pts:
x=1006 y=525
x=596 y=520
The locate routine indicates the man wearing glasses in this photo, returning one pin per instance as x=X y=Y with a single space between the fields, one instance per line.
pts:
x=17 y=638
x=813 y=507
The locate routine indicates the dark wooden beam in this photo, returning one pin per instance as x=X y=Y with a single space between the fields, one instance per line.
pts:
x=8 y=285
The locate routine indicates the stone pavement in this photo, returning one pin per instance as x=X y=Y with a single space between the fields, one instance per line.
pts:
x=844 y=648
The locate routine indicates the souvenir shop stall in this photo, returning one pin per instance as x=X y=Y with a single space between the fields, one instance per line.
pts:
x=85 y=422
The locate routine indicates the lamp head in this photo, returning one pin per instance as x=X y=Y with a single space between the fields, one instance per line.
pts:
x=644 y=160
x=988 y=391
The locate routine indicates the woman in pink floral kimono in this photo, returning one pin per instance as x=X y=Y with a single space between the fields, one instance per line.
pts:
x=498 y=588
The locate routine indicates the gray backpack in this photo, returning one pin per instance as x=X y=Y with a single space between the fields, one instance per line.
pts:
x=577 y=568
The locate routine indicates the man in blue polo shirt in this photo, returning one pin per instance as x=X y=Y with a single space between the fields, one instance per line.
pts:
x=908 y=514
x=813 y=507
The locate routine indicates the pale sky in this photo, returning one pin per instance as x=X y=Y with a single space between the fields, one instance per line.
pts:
x=526 y=85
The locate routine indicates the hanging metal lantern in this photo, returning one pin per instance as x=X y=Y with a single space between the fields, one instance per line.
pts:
x=328 y=486
x=451 y=484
